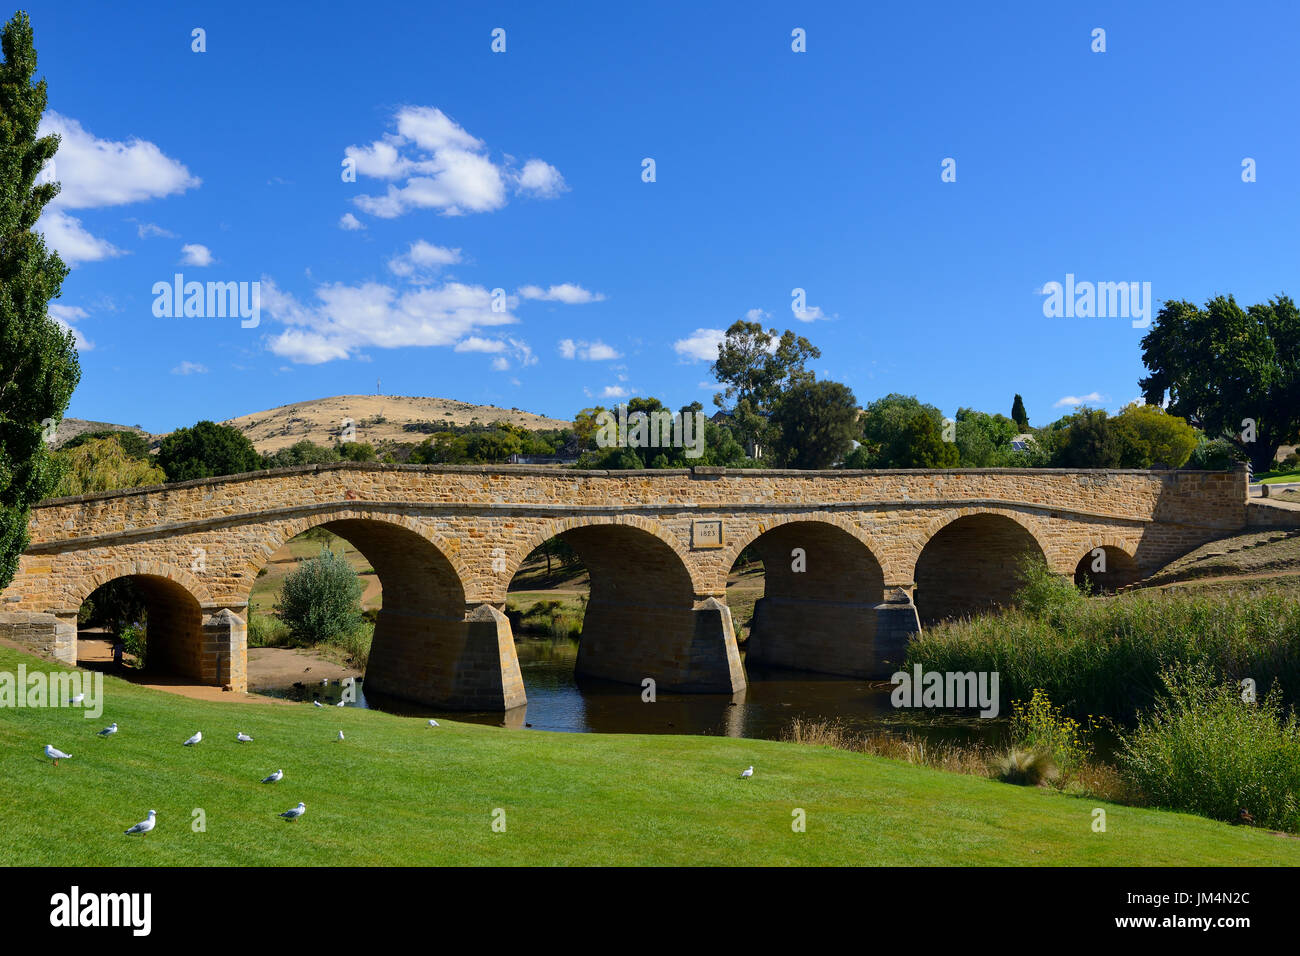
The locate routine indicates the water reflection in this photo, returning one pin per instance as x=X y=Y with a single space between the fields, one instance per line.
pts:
x=559 y=700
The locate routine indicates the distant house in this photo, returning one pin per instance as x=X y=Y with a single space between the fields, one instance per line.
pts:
x=1023 y=442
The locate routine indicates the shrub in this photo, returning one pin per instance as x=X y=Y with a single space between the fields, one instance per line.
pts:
x=321 y=600
x=1204 y=749
x=1104 y=656
x=1043 y=592
x=134 y=640
x=1030 y=768
x=266 y=631
x=1040 y=728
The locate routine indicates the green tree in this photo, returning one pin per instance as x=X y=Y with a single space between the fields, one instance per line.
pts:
x=207 y=450
x=321 y=600
x=357 y=451
x=754 y=367
x=814 y=424
x=38 y=359
x=1223 y=366
x=133 y=444
x=102 y=464
x=300 y=453
x=1091 y=439
x=1165 y=439
x=920 y=444
x=1018 y=413
x=884 y=423
x=984 y=440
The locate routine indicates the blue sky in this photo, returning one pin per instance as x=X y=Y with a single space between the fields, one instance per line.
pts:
x=775 y=170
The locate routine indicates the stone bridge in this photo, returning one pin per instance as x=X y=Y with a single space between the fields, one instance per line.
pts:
x=854 y=560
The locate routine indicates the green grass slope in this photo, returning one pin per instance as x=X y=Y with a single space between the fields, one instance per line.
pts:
x=398 y=792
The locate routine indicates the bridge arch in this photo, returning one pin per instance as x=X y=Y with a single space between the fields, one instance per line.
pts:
x=970 y=561
x=176 y=645
x=419 y=650
x=773 y=523
x=1116 y=568
x=83 y=586
x=821 y=606
x=643 y=618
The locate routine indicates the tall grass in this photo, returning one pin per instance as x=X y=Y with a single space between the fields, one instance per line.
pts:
x=1206 y=749
x=1105 y=656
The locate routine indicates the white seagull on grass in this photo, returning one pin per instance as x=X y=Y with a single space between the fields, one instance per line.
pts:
x=109 y=731
x=433 y=723
x=340 y=735
x=56 y=755
x=296 y=812
x=747 y=774
x=274 y=778
x=144 y=826
x=243 y=738
x=193 y=740
x=78 y=699
x=318 y=703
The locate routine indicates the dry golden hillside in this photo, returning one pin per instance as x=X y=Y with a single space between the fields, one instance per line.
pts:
x=378 y=418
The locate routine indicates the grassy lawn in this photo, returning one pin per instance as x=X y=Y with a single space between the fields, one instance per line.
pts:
x=399 y=792
x=1271 y=477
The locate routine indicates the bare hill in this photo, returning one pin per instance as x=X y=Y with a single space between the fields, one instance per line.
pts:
x=378 y=418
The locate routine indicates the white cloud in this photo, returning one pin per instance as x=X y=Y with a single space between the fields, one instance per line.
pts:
x=346 y=319
x=421 y=260
x=614 y=391
x=566 y=292
x=350 y=222
x=478 y=344
x=190 y=368
x=596 y=351
x=701 y=345
x=94 y=173
x=500 y=363
x=99 y=172
x=194 y=254
x=74 y=244
x=1092 y=398
x=441 y=166
x=757 y=315
x=811 y=314
x=541 y=180
x=65 y=315
x=147 y=230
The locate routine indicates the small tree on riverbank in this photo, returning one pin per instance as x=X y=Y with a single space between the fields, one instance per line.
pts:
x=321 y=601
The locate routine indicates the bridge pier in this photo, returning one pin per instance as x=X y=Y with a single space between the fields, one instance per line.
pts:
x=833 y=637
x=468 y=664
x=690 y=650
x=222 y=654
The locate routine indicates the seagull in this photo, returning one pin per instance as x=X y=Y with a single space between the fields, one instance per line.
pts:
x=274 y=778
x=340 y=703
x=56 y=755
x=318 y=703
x=194 y=740
x=243 y=738
x=340 y=735
x=109 y=730
x=747 y=774
x=432 y=722
x=296 y=812
x=144 y=826
x=78 y=699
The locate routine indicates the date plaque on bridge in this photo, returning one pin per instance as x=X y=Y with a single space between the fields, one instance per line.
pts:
x=706 y=534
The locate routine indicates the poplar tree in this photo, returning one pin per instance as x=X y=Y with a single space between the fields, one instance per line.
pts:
x=38 y=358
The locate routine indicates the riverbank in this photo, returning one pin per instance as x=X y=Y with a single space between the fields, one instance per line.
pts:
x=398 y=792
